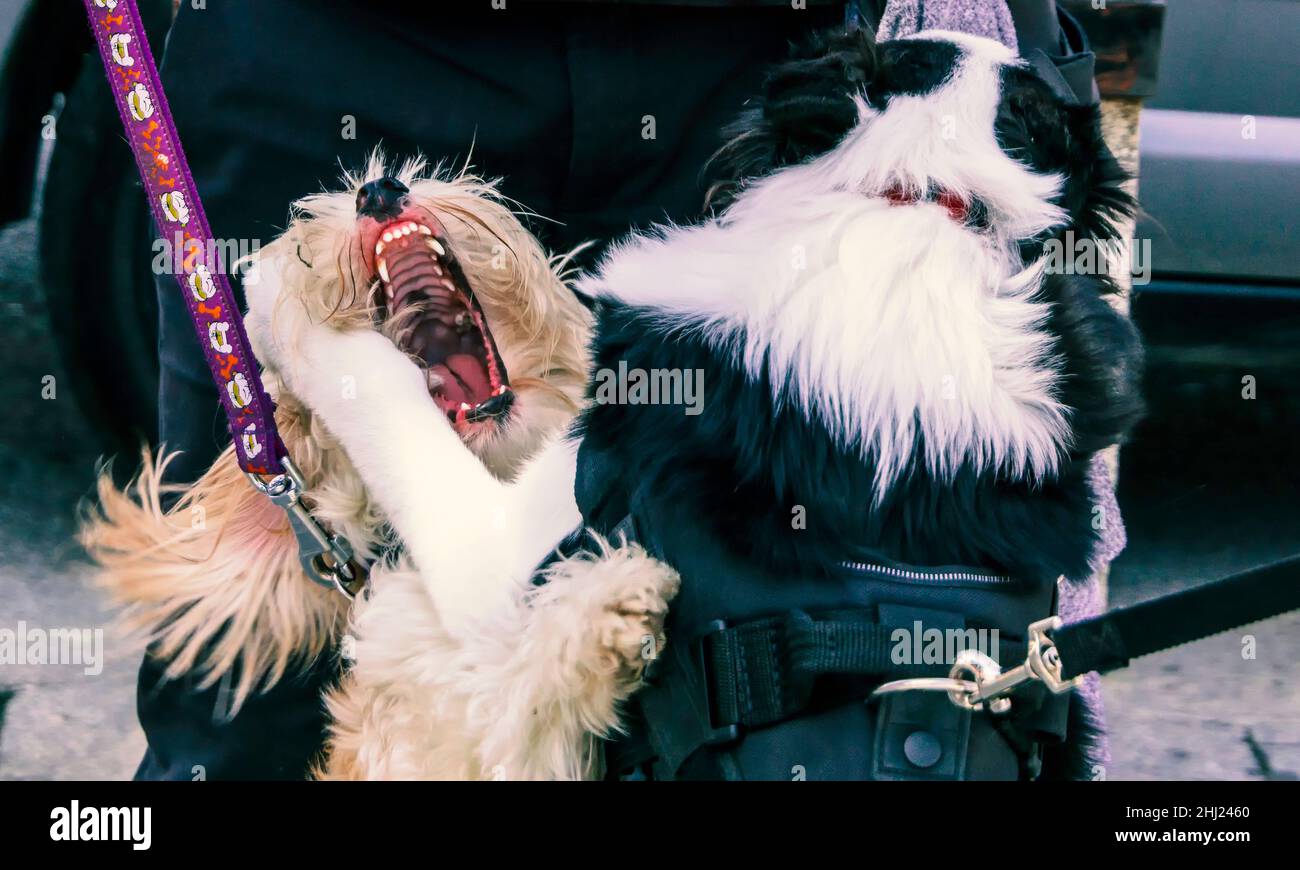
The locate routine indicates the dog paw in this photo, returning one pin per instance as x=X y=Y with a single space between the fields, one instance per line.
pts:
x=633 y=623
x=605 y=611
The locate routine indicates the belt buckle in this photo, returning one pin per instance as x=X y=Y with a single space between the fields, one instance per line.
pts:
x=721 y=735
x=326 y=558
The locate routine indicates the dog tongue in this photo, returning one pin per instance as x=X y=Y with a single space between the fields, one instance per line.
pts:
x=470 y=370
x=463 y=368
x=450 y=393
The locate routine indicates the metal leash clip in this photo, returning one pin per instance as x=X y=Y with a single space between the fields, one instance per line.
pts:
x=976 y=678
x=327 y=559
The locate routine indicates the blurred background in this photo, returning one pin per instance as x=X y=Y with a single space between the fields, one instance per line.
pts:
x=1209 y=485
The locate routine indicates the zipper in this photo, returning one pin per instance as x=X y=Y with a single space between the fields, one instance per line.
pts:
x=938 y=575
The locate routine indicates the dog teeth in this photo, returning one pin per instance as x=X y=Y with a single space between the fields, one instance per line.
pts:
x=397 y=233
x=499 y=391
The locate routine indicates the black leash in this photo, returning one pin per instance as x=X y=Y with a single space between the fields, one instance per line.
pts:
x=1059 y=655
x=779 y=656
x=760 y=672
x=1108 y=642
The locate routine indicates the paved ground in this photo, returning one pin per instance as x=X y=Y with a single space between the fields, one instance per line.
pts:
x=1210 y=486
x=55 y=721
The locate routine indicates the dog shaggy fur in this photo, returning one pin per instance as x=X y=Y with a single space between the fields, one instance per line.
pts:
x=467 y=663
x=885 y=345
x=213 y=580
x=525 y=695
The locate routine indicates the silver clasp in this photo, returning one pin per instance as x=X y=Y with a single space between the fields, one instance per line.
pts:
x=976 y=679
x=326 y=559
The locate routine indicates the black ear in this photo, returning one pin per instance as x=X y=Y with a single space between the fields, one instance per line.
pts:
x=1102 y=357
x=805 y=109
x=1097 y=181
x=808 y=103
x=1035 y=126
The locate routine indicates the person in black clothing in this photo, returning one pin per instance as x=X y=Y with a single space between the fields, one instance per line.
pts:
x=600 y=116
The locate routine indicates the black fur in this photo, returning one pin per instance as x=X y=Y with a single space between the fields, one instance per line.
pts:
x=751 y=456
x=807 y=105
x=1035 y=127
x=748 y=459
x=912 y=67
x=807 y=108
x=1079 y=756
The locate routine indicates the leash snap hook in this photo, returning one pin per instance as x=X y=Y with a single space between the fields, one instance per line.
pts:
x=1042 y=664
x=327 y=559
x=976 y=679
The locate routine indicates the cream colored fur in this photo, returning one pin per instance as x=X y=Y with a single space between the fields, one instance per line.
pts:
x=215 y=580
x=523 y=697
x=464 y=668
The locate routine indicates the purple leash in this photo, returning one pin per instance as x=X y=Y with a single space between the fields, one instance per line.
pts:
x=177 y=210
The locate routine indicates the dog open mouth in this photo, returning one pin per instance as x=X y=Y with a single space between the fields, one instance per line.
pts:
x=440 y=321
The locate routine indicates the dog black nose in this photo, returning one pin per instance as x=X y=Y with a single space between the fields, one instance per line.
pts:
x=381 y=199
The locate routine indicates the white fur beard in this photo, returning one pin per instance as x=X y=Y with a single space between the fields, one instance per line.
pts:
x=889 y=324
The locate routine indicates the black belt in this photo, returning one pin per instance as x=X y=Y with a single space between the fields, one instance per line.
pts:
x=765 y=671
x=1059 y=655
x=762 y=672
x=1108 y=642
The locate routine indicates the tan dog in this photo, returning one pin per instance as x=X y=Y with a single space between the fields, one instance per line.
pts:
x=440 y=267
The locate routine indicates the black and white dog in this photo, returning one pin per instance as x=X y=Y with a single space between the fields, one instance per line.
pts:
x=882 y=345
x=881 y=338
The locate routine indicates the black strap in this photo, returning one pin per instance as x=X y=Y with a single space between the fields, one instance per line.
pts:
x=763 y=672
x=1108 y=642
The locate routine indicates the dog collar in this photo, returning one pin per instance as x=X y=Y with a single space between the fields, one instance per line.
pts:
x=174 y=201
x=963 y=212
x=177 y=212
